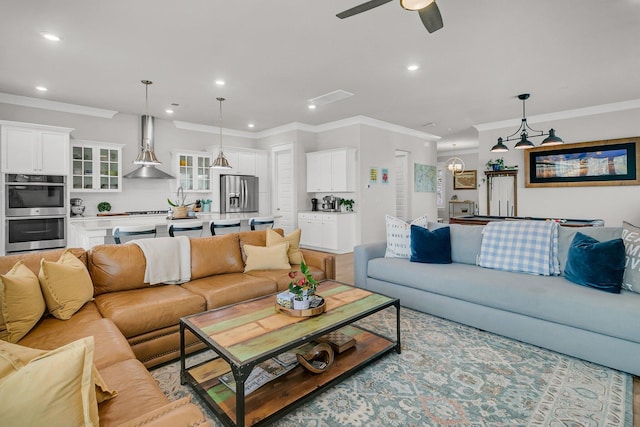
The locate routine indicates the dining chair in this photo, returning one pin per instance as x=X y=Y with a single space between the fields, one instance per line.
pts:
x=261 y=223
x=186 y=228
x=224 y=226
x=131 y=232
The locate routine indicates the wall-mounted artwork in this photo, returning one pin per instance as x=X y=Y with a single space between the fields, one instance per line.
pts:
x=608 y=162
x=424 y=178
x=373 y=175
x=465 y=180
x=384 y=175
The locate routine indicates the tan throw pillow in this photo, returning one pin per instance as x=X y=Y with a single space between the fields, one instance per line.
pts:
x=66 y=285
x=48 y=388
x=21 y=302
x=293 y=238
x=267 y=258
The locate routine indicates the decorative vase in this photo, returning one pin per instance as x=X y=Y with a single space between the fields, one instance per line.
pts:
x=300 y=305
x=180 y=212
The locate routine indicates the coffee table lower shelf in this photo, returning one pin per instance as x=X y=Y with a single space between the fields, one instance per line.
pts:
x=287 y=392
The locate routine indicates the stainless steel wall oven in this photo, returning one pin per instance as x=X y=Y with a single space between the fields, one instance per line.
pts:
x=35 y=212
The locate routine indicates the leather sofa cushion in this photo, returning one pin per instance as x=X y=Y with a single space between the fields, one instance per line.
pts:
x=281 y=277
x=110 y=345
x=139 y=311
x=162 y=345
x=115 y=268
x=225 y=289
x=215 y=255
x=180 y=412
x=138 y=393
x=32 y=260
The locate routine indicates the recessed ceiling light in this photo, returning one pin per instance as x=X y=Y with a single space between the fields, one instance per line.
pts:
x=168 y=111
x=41 y=88
x=220 y=82
x=251 y=125
x=311 y=107
x=51 y=37
x=413 y=67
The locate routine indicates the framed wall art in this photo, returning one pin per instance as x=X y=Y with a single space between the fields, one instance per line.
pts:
x=466 y=180
x=607 y=162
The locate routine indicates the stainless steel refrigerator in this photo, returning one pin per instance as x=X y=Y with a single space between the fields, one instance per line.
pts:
x=238 y=193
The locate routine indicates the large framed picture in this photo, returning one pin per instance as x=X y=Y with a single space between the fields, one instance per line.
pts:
x=607 y=162
x=466 y=180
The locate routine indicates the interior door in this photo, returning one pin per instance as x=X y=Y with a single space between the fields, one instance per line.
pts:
x=284 y=188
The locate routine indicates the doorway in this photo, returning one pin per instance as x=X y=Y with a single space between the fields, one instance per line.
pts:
x=402 y=184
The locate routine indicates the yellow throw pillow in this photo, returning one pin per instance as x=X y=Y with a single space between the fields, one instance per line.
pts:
x=267 y=258
x=66 y=285
x=48 y=388
x=293 y=238
x=21 y=302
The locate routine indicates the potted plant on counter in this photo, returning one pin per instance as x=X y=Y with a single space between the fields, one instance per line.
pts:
x=348 y=204
x=179 y=208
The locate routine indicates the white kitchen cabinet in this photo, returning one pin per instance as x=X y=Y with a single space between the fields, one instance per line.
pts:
x=331 y=232
x=96 y=166
x=34 y=149
x=331 y=170
x=193 y=171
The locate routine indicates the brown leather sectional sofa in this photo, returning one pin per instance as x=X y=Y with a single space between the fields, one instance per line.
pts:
x=136 y=326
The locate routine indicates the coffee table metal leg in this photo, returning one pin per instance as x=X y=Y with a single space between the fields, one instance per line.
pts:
x=183 y=376
x=398 y=344
x=240 y=374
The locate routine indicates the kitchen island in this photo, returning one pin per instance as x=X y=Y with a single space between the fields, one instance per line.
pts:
x=87 y=232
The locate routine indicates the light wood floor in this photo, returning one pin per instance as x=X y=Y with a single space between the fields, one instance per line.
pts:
x=344 y=273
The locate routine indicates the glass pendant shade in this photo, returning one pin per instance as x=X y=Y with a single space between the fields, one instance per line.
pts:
x=415 y=4
x=454 y=165
x=552 y=139
x=499 y=147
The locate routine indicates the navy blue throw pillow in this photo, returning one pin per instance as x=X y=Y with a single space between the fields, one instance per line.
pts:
x=433 y=247
x=596 y=264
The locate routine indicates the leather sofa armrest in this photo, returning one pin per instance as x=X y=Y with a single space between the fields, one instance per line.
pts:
x=361 y=256
x=181 y=413
x=324 y=261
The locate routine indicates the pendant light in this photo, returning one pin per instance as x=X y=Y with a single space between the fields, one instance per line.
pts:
x=221 y=162
x=146 y=156
x=523 y=130
x=454 y=165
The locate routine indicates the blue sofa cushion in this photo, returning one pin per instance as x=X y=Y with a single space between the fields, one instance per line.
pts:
x=596 y=264
x=433 y=247
x=466 y=241
x=566 y=235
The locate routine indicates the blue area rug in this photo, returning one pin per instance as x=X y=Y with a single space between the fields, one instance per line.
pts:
x=453 y=375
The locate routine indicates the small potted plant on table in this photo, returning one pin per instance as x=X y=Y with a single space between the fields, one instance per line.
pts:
x=303 y=287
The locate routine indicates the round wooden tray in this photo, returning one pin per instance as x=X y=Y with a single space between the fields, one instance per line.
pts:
x=309 y=312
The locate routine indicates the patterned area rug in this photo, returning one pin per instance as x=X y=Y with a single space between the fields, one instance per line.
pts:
x=453 y=375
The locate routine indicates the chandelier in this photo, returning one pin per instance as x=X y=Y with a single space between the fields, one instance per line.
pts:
x=454 y=165
x=523 y=132
x=221 y=162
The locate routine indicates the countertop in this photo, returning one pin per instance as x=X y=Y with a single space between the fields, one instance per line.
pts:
x=327 y=212
x=108 y=222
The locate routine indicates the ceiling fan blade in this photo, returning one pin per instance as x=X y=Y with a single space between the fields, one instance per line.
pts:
x=431 y=18
x=362 y=8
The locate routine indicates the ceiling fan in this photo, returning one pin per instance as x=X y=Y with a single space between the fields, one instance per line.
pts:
x=427 y=9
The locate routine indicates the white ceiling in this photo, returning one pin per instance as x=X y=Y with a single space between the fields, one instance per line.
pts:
x=275 y=55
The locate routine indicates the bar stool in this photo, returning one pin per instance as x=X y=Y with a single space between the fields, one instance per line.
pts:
x=261 y=223
x=144 y=231
x=188 y=228
x=224 y=226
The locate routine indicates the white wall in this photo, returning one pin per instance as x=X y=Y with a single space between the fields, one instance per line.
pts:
x=471 y=163
x=610 y=203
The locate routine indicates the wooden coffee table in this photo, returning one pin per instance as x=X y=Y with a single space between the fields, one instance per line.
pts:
x=245 y=334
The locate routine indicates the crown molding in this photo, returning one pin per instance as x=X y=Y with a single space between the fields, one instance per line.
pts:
x=212 y=129
x=45 y=104
x=293 y=126
x=561 y=115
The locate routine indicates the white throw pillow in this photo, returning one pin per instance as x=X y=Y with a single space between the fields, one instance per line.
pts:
x=399 y=236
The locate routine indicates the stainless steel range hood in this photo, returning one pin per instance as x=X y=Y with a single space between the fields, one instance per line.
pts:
x=147 y=157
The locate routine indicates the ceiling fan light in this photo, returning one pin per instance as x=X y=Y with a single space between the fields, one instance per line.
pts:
x=552 y=139
x=524 y=143
x=499 y=147
x=415 y=4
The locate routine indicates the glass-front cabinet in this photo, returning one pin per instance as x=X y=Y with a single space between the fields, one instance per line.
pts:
x=194 y=171
x=96 y=166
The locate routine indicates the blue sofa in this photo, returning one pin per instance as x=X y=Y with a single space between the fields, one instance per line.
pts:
x=547 y=311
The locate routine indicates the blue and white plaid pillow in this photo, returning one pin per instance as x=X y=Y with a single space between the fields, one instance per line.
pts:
x=521 y=246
